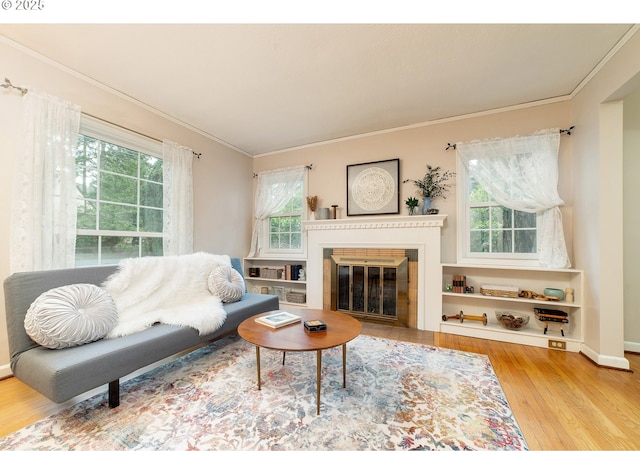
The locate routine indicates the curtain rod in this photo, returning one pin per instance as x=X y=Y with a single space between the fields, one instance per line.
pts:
x=8 y=85
x=309 y=167
x=195 y=154
x=568 y=131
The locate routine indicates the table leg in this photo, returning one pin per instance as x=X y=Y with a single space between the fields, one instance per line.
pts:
x=344 y=365
x=258 y=364
x=318 y=380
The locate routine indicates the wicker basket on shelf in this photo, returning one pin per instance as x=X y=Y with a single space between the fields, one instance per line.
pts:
x=503 y=291
x=296 y=297
x=271 y=273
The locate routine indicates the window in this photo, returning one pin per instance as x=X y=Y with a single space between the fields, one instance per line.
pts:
x=285 y=225
x=520 y=174
x=492 y=231
x=119 y=189
x=280 y=196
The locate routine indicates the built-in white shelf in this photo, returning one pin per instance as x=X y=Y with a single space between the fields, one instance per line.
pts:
x=279 y=286
x=534 y=279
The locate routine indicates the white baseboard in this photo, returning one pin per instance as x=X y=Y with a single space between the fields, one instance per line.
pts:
x=631 y=346
x=5 y=371
x=605 y=360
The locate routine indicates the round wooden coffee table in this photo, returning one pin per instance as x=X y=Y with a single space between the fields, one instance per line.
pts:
x=341 y=329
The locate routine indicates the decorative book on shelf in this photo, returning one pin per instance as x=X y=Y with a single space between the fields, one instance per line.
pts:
x=553 y=316
x=459 y=283
x=292 y=272
x=278 y=319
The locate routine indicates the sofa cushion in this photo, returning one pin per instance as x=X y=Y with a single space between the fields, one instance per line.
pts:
x=70 y=315
x=226 y=283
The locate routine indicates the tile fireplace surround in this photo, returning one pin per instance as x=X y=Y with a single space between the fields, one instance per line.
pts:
x=388 y=232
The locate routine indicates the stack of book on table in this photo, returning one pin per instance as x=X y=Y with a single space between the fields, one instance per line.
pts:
x=278 y=319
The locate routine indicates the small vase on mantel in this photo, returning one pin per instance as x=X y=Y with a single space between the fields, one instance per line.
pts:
x=426 y=204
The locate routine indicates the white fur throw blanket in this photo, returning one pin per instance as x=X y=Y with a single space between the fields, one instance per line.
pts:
x=170 y=290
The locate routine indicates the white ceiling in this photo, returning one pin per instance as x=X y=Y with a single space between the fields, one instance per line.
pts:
x=262 y=88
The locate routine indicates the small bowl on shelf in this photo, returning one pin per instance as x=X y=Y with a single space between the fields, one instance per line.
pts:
x=554 y=294
x=512 y=320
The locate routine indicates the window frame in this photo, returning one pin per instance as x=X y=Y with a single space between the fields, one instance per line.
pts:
x=130 y=140
x=267 y=250
x=464 y=254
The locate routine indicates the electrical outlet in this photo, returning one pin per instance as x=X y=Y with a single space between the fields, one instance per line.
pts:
x=556 y=344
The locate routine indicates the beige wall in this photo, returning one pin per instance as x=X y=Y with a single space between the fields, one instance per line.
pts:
x=631 y=208
x=423 y=145
x=598 y=169
x=222 y=177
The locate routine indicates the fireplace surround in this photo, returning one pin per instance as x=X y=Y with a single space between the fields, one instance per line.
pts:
x=419 y=233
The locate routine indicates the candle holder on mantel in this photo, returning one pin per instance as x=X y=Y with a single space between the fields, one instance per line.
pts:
x=323 y=213
x=335 y=211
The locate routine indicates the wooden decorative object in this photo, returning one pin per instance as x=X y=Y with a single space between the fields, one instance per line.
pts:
x=461 y=316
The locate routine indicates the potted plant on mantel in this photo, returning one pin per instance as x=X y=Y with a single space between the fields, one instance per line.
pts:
x=433 y=185
x=412 y=204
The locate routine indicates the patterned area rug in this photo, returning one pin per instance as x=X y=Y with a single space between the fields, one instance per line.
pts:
x=399 y=396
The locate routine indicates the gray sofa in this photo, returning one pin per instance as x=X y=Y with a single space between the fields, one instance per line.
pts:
x=61 y=374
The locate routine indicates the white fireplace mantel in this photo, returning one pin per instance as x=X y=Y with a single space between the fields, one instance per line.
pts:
x=420 y=232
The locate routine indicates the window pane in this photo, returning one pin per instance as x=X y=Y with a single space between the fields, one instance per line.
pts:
x=524 y=220
x=480 y=241
x=87 y=251
x=525 y=241
x=151 y=247
x=150 y=168
x=87 y=152
x=118 y=217
x=275 y=225
x=295 y=204
x=501 y=241
x=285 y=241
x=285 y=224
x=479 y=218
x=296 y=223
x=296 y=241
x=274 y=241
x=476 y=192
x=500 y=218
x=115 y=188
x=150 y=220
x=87 y=182
x=150 y=194
x=120 y=160
x=86 y=215
x=115 y=248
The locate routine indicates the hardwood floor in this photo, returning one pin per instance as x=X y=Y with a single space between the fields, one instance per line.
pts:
x=561 y=400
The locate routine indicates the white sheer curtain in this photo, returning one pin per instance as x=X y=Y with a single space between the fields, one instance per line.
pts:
x=275 y=189
x=43 y=220
x=522 y=173
x=177 y=199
